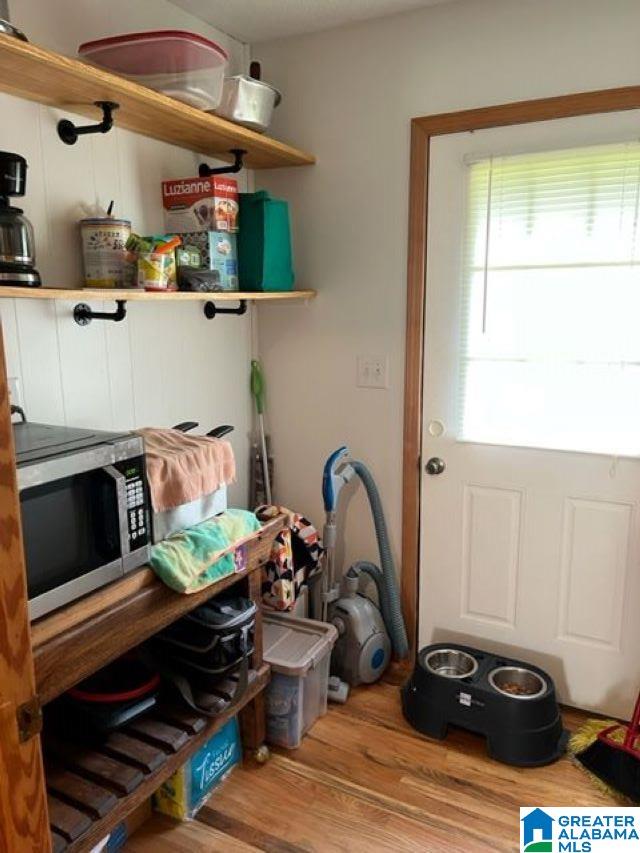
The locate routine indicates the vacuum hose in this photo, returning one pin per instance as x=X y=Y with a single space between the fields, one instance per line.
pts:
x=384 y=576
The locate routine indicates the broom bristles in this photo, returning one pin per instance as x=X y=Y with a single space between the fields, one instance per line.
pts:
x=587 y=734
x=596 y=759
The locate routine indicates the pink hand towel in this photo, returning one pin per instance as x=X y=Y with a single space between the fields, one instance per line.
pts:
x=182 y=468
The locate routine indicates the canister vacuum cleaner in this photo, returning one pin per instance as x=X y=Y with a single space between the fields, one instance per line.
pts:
x=366 y=635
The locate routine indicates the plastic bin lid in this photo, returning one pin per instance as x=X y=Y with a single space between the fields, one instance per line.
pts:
x=294 y=646
x=155 y=52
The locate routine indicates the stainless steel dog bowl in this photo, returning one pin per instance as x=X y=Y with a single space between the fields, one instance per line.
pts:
x=451 y=663
x=517 y=682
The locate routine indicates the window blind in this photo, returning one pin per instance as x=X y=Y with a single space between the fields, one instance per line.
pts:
x=551 y=300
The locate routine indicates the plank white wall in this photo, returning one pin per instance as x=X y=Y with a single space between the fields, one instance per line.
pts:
x=165 y=363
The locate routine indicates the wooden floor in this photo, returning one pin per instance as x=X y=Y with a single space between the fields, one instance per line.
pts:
x=363 y=780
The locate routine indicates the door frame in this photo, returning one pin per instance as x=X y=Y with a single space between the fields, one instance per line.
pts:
x=422 y=130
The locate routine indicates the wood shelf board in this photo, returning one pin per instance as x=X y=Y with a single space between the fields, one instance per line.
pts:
x=37 y=74
x=108 y=294
x=126 y=804
x=73 y=642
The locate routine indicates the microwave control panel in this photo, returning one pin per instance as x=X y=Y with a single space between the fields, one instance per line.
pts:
x=137 y=502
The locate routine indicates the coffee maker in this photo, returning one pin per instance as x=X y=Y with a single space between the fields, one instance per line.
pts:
x=17 y=246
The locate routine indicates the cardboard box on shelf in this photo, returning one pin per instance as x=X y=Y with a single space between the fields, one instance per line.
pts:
x=184 y=793
x=200 y=204
x=218 y=252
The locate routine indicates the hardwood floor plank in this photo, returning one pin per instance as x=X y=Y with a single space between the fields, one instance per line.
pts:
x=364 y=781
x=312 y=812
x=161 y=834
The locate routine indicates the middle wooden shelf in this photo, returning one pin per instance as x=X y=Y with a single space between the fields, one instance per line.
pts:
x=113 y=294
x=75 y=641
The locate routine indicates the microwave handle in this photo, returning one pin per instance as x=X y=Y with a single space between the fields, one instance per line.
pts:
x=121 y=492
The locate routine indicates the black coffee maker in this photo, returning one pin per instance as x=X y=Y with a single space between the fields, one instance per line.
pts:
x=17 y=245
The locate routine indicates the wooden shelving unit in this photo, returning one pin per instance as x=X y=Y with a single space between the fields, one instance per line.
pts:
x=93 y=785
x=75 y=641
x=41 y=75
x=87 y=294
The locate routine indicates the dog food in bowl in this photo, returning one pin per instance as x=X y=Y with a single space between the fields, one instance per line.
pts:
x=517 y=682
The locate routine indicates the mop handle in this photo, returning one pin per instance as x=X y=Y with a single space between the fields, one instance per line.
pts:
x=632 y=728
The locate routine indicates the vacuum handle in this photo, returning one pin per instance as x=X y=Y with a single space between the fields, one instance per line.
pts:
x=331 y=483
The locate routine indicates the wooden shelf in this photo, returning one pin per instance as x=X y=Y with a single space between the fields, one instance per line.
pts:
x=41 y=75
x=91 y=789
x=73 y=642
x=87 y=294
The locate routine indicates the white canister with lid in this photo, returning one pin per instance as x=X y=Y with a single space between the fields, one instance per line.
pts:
x=104 y=253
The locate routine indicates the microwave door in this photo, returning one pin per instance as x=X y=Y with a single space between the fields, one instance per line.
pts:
x=73 y=536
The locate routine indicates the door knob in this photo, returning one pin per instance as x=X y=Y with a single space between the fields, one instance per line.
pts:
x=435 y=466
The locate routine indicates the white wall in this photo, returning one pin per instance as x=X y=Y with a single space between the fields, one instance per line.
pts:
x=165 y=363
x=349 y=95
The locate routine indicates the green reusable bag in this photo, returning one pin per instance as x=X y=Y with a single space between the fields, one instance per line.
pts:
x=264 y=243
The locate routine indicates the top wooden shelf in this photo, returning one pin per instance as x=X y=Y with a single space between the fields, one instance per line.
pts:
x=41 y=75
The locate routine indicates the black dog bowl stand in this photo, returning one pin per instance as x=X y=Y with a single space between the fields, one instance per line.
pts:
x=512 y=703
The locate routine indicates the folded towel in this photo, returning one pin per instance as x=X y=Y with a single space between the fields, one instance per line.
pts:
x=182 y=468
x=200 y=555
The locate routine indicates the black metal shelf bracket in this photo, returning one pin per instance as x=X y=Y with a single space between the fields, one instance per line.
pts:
x=238 y=157
x=69 y=132
x=83 y=314
x=211 y=311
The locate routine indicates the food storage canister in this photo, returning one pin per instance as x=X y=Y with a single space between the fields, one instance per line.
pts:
x=248 y=102
x=103 y=251
x=185 y=66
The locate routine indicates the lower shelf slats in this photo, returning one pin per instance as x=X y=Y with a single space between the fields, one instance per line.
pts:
x=158 y=734
x=131 y=750
x=76 y=791
x=189 y=721
x=58 y=843
x=93 y=788
x=68 y=821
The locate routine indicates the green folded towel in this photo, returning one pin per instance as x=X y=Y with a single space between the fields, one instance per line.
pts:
x=195 y=558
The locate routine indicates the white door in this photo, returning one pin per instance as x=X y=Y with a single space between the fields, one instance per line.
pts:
x=529 y=537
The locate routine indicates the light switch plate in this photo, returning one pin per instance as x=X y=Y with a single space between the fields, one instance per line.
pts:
x=372 y=371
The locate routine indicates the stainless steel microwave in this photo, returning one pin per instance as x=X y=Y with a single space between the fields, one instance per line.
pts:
x=84 y=503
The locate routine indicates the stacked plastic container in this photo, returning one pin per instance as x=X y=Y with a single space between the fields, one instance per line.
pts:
x=299 y=651
x=182 y=65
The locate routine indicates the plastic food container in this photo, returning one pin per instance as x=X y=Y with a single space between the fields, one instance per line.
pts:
x=299 y=651
x=156 y=271
x=182 y=65
x=248 y=102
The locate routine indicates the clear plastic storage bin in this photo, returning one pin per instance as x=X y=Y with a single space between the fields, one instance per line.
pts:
x=299 y=651
x=182 y=65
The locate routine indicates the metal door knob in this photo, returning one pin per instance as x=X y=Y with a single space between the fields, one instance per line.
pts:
x=435 y=466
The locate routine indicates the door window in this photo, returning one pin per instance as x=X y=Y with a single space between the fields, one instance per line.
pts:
x=551 y=300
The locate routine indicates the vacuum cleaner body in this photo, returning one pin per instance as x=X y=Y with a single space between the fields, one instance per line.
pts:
x=513 y=704
x=367 y=635
x=363 y=649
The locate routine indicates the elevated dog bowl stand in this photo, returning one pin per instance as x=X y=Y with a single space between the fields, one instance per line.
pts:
x=512 y=703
